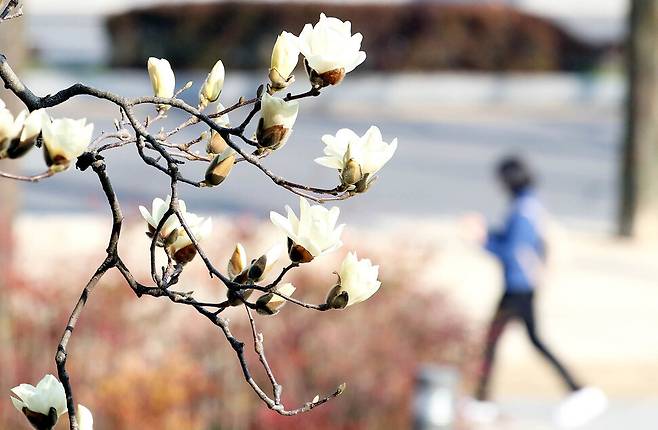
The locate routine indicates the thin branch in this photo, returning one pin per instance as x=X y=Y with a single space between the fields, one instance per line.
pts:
x=34 y=178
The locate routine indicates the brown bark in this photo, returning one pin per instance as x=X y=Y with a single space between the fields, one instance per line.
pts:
x=639 y=190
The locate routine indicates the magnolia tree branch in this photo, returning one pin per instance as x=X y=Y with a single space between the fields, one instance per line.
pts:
x=149 y=141
x=157 y=150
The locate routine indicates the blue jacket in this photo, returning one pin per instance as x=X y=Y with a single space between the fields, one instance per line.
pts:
x=519 y=245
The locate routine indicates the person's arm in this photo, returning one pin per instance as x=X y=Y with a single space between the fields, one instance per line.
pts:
x=518 y=230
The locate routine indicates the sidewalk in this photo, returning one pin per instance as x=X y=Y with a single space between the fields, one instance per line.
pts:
x=535 y=414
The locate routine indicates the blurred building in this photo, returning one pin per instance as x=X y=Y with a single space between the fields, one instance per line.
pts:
x=53 y=25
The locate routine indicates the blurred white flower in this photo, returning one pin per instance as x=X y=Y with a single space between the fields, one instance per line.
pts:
x=358 y=282
x=312 y=234
x=162 y=77
x=330 y=50
x=356 y=157
x=277 y=120
x=64 y=140
x=85 y=418
x=43 y=404
x=270 y=304
x=158 y=209
x=285 y=55
x=213 y=85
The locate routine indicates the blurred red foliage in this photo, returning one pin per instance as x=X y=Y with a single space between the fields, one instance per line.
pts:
x=144 y=363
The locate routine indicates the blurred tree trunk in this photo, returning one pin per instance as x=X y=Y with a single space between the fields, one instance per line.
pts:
x=639 y=192
x=12 y=45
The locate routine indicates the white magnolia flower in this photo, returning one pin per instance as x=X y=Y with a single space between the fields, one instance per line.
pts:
x=36 y=402
x=270 y=304
x=31 y=128
x=213 y=85
x=64 y=140
x=162 y=78
x=33 y=124
x=172 y=235
x=10 y=129
x=277 y=118
x=262 y=266
x=85 y=418
x=356 y=157
x=285 y=55
x=312 y=234
x=158 y=209
x=182 y=249
x=330 y=50
x=358 y=282
x=238 y=261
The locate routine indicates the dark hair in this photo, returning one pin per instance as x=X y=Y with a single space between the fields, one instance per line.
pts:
x=515 y=174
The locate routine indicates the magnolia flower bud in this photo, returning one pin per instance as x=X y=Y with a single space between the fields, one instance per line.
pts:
x=284 y=60
x=64 y=140
x=238 y=261
x=237 y=297
x=220 y=167
x=337 y=299
x=270 y=304
x=162 y=79
x=312 y=234
x=217 y=144
x=298 y=254
x=260 y=267
x=321 y=80
x=213 y=85
x=277 y=119
x=31 y=130
x=351 y=173
x=42 y=405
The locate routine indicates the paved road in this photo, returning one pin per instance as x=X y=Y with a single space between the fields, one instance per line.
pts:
x=568 y=129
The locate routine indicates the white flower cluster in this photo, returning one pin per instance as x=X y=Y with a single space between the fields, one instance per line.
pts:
x=330 y=51
x=315 y=233
x=64 y=139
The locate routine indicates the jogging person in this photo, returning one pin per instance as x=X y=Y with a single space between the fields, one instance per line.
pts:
x=521 y=250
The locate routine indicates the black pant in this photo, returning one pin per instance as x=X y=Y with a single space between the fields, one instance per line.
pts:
x=516 y=305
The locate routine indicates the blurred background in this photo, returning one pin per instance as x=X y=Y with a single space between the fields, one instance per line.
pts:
x=570 y=86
